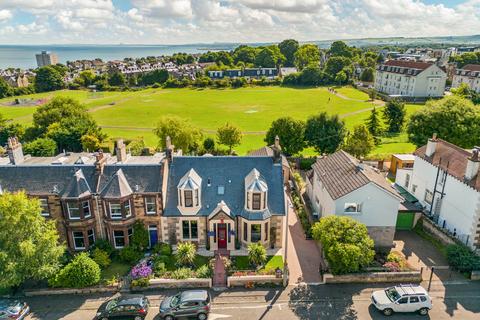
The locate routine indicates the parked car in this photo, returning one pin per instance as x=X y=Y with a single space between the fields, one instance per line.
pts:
x=13 y=309
x=402 y=298
x=190 y=303
x=124 y=307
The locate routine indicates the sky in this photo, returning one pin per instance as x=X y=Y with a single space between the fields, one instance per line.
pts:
x=246 y=21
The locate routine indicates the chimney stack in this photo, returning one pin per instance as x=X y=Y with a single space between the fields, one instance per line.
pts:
x=169 y=147
x=431 y=145
x=277 y=150
x=100 y=161
x=15 y=151
x=121 y=151
x=473 y=164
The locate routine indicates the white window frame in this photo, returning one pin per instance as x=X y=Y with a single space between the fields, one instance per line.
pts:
x=88 y=237
x=74 y=244
x=259 y=200
x=150 y=200
x=357 y=206
x=127 y=205
x=89 y=209
x=115 y=239
x=116 y=215
x=189 y=230
x=77 y=208
x=43 y=205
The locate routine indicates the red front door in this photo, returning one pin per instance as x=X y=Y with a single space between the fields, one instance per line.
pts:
x=222 y=236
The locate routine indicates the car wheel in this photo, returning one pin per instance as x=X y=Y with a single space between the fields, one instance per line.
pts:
x=423 y=311
x=202 y=316
x=169 y=317
x=387 y=312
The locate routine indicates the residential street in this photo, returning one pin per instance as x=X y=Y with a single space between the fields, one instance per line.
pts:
x=352 y=301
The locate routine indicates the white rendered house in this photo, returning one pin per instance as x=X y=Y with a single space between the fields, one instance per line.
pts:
x=469 y=74
x=446 y=181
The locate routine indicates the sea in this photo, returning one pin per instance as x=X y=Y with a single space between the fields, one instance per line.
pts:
x=23 y=56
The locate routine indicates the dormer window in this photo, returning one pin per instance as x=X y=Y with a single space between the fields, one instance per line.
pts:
x=256 y=191
x=189 y=193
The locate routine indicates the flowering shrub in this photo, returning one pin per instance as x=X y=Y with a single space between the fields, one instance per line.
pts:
x=141 y=270
x=142 y=282
x=392 y=266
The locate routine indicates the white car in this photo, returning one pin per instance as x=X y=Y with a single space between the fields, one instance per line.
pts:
x=402 y=298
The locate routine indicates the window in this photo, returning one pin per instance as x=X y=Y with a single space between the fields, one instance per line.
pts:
x=78 y=240
x=189 y=229
x=150 y=205
x=414 y=300
x=352 y=208
x=86 y=209
x=127 y=209
x=414 y=188
x=221 y=190
x=118 y=239
x=229 y=231
x=91 y=237
x=255 y=232
x=407 y=180
x=245 y=230
x=73 y=211
x=256 y=201
x=129 y=234
x=188 y=198
x=115 y=211
x=196 y=197
x=423 y=298
x=403 y=300
x=44 y=207
x=428 y=196
x=266 y=231
x=214 y=233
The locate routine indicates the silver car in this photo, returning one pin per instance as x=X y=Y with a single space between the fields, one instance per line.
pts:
x=191 y=303
x=13 y=309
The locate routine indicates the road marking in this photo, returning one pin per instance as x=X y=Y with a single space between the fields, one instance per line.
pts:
x=213 y=316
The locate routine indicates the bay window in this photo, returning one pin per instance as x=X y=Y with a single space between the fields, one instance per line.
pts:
x=73 y=210
x=127 y=209
x=78 y=240
x=118 y=239
x=91 y=237
x=115 y=211
x=255 y=232
x=86 y=209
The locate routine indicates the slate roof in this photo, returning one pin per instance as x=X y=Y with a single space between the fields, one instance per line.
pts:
x=469 y=70
x=404 y=67
x=139 y=178
x=78 y=186
x=340 y=175
x=267 y=151
x=456 y=158
x=229 y=172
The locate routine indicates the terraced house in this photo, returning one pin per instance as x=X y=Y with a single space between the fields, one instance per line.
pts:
x=216 y=202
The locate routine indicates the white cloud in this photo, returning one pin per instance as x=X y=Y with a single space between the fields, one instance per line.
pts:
x=193 y=21
x=5 y=15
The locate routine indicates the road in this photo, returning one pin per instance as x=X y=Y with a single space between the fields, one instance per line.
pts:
x=455 y=300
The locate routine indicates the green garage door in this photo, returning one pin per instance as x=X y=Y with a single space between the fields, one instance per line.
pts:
x=405 y=220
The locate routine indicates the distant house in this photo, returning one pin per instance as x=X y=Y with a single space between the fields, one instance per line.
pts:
x=445 y=179
x=410 y=79
x=469 y=74
x=17 y=81
x=249 y=73
x=341 y=185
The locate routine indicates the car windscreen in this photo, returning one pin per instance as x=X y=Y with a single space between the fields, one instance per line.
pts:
x=175 y=301
x=112 y=304
x=14 y=307
x=392 y=294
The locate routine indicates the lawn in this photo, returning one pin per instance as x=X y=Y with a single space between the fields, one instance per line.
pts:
x=116 y=269
x=273 y=262
x=133 y=115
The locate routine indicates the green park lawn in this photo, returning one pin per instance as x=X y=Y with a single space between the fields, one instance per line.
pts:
x=132 y=115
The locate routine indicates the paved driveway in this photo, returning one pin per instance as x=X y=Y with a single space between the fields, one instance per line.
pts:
x=303 y=256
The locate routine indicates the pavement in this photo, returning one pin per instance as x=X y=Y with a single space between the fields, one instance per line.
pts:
x=451 y=301
x=303 y=256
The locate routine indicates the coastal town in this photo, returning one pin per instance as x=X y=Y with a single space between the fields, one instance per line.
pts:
x=292 y=179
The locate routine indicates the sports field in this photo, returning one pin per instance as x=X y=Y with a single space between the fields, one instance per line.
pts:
x=134 y=114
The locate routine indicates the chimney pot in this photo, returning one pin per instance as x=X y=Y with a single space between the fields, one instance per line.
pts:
x=15 y=151
x=473 y=165
x=121 y=151
x=431 y=145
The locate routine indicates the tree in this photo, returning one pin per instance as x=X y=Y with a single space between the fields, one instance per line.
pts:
x=325 y=133
x=209 y=144
x=90 y=142
x=229 y=135
x=244 y=54
x=156 y=76
x=394 y=114
x=41 y=147
x=86 y=77
x=335 y=65
x=454 y=119
x=48 y=79
x=311 y=75
x=374 y=125
x=367 y=75
x=117 y=79
x=136 y=147
x=181 y=132
x=186 y=252
x=291 y=133
x=372 y=93
x=465 y=91
x=341 y=77
x=269 y=57
x=5 y=89
x=257 y=254
x=360 y=143
x=29 y=244
x=340 y=48
x=288 y=48
x=80 y=273
x=140 y=238
x=346 y=243
x=10 y=129
x=306 y=55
